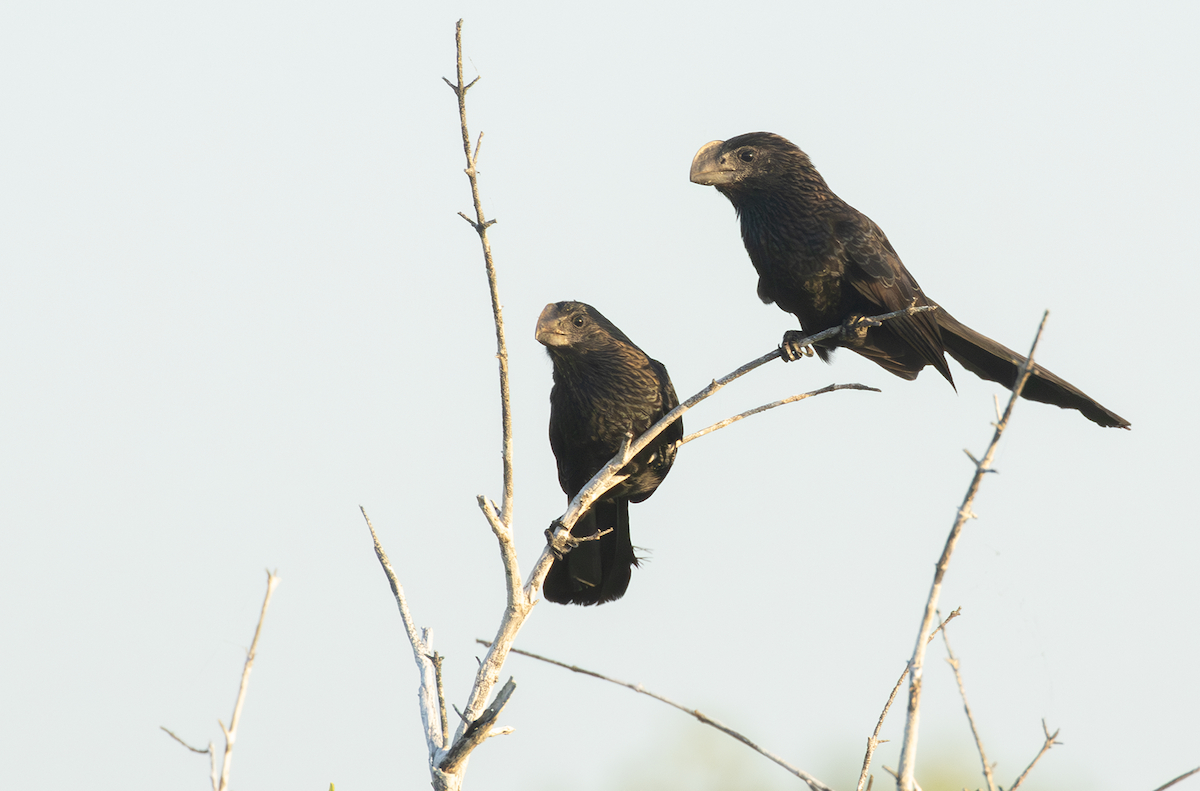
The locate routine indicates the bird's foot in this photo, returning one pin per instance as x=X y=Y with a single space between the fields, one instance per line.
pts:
x=566 y=540
x=854 y=330
x=791 y=349
x=563 y=544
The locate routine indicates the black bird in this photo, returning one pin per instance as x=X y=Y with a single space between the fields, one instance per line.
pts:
x=604 y=386
x=822 y=260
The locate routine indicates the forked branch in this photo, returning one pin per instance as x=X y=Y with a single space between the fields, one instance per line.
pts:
x=1046 y=745
x=908 y=751
x=874 y=741
x=220 y=778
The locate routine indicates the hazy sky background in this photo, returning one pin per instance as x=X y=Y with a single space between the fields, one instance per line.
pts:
x=237 y=304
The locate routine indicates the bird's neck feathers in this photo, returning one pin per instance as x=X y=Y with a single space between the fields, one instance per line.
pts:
x=584 y=364
x=793 y=185
x=604 y=372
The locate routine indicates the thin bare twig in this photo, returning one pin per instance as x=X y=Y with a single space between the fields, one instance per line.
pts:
x=185 y=744
x=908 y=751
x=813 y=783
x=953 y=660
x=481 y=225
x=220 y=779
x=231 y=731
x=1050 y=742
x=874 y=741
x=427 y=691
x=441 y=693
x=790 y=399
x=1183 y=776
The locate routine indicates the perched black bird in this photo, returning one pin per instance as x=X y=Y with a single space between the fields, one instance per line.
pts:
x=604 y=386
x=820 y=259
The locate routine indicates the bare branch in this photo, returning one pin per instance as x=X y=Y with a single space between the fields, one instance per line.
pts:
x=1183 y=776
x=220 y=779
x=231 y=731
x=1050 y=742
x=477 y=731
x=953 y=660
x=790 y=399
x=427 y=694
x=908 y=751
x=813 y=783
x=481 y=225
x=874 y=741
x=893 y=773
x=185 y=744
x=441 y=694
x=508 y=551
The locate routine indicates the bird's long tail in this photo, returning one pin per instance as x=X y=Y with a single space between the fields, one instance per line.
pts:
x=597 y=571
x=987 y=359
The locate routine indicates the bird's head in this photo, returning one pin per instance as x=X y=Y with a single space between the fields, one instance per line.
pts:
x=575 y=325
x=756 y=160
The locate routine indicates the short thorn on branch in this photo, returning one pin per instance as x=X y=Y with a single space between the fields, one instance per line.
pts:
x=465 y=88
x=479 y=227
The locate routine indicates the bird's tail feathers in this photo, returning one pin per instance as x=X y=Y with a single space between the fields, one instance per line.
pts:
x=597 y=571
x=995 y=362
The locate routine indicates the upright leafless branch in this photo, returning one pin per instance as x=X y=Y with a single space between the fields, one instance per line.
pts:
x=481 y=225
x=908 y=752
x=813 y=783
x=873 y=741
x=1046 y=745
x=429 y=702
x=220 y=780
x=962 y=691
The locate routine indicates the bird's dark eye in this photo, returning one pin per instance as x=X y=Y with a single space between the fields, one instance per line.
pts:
x=746 y=155
x=579 y=321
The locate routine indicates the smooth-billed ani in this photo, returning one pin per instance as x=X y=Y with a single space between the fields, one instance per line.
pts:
x=820 y=259
x=604 y=386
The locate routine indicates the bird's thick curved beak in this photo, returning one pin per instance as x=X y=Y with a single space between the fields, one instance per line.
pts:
x=548 y=332
x=709 y=168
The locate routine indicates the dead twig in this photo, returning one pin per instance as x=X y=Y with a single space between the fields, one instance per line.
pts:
x=1050 y=742
x=908 y=751
x=813 y=783
x=427 y=694
x=873 y=741
x=481 y=225
x=170 y=733
x=220 y=779
x=790 y=399
x=1183 y=776
x=962 y=691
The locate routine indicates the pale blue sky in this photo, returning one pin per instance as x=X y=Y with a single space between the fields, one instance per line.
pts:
x=238 y=304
